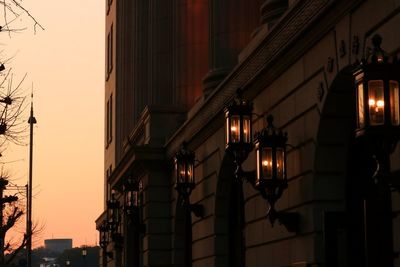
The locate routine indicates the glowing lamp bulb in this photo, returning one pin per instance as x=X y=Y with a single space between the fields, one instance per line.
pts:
x=371 y=102
x=380 y=103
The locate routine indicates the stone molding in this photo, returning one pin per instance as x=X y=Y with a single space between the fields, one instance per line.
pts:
x=262 y=54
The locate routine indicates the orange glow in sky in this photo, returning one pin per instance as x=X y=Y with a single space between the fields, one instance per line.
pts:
x=65 y=64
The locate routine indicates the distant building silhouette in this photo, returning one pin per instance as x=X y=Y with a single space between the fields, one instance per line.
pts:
x=58 y=245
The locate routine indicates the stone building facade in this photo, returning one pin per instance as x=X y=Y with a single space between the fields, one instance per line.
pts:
x=172 y=66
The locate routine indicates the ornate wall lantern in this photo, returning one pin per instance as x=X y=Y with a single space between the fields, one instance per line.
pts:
x=270 y=144
x=378 y=108
x=271 y=180
x=184 y=178
x=239 y=129
x=113 y=215
x=378 y=99
x=132 y=189
x=103 y=239
x=114 y=219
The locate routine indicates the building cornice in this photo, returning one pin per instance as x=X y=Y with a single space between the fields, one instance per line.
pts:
x=137 y=161
x=267 y=55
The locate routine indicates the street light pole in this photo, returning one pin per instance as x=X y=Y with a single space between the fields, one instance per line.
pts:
x=31 y=121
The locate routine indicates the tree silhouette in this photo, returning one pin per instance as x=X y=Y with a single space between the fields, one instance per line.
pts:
x=11 y=211
x=13 y=9
x=13 y=128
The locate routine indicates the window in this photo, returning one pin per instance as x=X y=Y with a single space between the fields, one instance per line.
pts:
x=109 y=2
x=109 y=119
x=107 y=186
x=110 y=41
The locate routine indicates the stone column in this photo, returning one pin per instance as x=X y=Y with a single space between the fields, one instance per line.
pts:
x=160 y=52
x=190 y=50
x=231 y=25
x=272 y=10
x=141 y=60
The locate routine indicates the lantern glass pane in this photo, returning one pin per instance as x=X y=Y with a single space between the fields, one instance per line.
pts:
x=135 y=198
x=376 y=102
x=181 y=173
x=394 y=102
x=246 y=129
x=258 y=165
x=116 y=215
x=132 y=199
x=103 y=236
x=235 y=129
x=227 y=126
x=280 y=163
x=360 y=106
x=189 y=173
x=266 y=163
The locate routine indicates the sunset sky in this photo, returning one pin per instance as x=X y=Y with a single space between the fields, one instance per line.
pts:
x=65 y=64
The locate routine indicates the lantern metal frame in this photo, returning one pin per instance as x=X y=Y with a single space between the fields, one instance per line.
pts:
x=378 y=121
x=240 y=148
x=184 y=164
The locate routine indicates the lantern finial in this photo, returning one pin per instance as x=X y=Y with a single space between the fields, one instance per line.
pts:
x=377 y=41
x=378 y=55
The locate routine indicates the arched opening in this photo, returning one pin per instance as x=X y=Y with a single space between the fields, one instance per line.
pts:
x=355 y=230
x=229 y=217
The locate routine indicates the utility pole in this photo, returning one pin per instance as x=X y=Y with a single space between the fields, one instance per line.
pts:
x=31 y=121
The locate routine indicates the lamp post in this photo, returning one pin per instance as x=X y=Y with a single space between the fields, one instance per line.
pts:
x=84 y=254
x=31 y=121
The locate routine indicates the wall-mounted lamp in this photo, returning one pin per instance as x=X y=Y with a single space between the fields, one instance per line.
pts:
x=132 y=189
x=185 y=180
x=114 y=219
x=131 y=202
x=270 y=145
x=104 y=235
x=378 y=105
x=271 y=179
x=239 y=129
